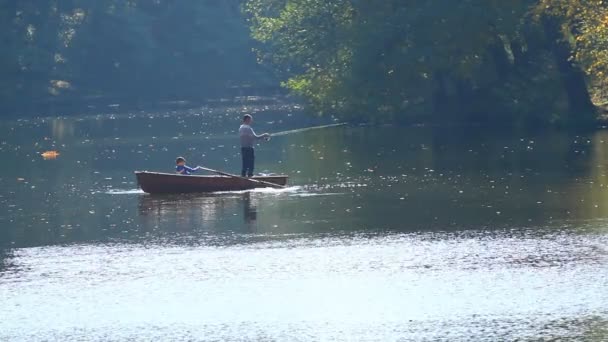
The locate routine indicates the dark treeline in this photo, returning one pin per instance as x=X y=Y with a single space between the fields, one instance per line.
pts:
x=67 y=51
x=484 y=61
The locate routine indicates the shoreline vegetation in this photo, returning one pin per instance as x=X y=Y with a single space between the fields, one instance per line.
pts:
x=530 y=62
x=533 y=63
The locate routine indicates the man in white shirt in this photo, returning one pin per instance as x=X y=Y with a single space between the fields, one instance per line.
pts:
x=248 y=139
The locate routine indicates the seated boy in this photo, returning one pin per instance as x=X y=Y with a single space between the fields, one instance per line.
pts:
x=181 y=167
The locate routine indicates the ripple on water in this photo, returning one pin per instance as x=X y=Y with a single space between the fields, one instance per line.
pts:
x=289 y=189
x=124 y=192
x=377 y=287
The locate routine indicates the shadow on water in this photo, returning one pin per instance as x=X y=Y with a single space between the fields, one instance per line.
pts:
x=9 y=265
x=5 y=260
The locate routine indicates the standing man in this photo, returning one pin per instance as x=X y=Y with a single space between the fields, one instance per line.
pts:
x=248 y=138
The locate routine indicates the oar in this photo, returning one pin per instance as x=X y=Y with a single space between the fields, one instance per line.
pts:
x=244 y=178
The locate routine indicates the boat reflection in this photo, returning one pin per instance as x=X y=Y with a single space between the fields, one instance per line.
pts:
x=208 y=212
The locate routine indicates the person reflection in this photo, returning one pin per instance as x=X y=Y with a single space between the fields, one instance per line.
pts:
x=250 y=213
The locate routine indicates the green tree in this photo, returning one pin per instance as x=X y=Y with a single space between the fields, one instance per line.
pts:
x=136 y=50
x=584 y=24
x=472 y=60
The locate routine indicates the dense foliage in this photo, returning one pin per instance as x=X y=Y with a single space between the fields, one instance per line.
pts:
x=585 y=24
x=127 y=50
x=471 y=60
x=486 y=61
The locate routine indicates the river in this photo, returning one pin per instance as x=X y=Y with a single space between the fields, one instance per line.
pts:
x=383 y=234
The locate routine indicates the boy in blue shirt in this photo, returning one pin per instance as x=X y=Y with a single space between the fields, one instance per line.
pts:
x=182 y=169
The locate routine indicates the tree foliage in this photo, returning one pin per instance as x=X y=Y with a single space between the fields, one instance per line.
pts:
x=470 y=60
x=585 y=24
x=517 y=61
x=126 y=49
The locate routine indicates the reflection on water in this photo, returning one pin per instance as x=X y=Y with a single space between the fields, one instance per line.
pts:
x=250 y=213
x=197 y=211
x=385 y=233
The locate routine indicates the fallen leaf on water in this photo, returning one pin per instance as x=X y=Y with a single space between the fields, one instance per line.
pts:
x=49 y=154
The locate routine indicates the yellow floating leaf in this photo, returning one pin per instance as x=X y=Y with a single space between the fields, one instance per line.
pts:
x=49 y=154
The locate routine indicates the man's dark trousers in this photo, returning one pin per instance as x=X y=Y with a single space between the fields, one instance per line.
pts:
x=248 y=160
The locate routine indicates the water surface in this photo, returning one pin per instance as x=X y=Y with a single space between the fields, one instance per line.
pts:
x=385 y=233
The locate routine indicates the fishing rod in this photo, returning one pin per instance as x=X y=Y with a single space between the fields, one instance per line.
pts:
x=299 y=130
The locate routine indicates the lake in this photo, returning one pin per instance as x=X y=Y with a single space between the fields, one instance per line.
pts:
x=384 y=233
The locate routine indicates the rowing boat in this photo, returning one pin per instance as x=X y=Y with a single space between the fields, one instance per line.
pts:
x=158 y=182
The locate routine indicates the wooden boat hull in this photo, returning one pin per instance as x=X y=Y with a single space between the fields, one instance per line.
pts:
x=168 y=183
